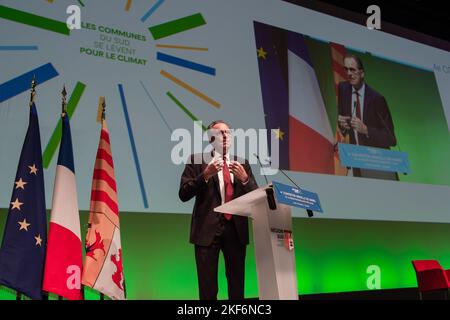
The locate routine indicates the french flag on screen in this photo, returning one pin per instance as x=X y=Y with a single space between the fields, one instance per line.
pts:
x=293 y=102
x=311 y=143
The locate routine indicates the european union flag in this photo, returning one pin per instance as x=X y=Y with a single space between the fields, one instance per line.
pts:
x=25 y=236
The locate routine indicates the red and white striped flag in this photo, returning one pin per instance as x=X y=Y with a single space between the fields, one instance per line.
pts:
x=103 y=268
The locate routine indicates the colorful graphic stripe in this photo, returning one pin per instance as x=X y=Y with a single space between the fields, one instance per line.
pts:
x=185 y=110
x=22 y=83
x=185 y=63
x=33 y=20
x=55 y=138
x=156 y=107
x=177 y=26
x=190 y=89
x=81 y=3
x=152 y=10
x=133 y=145
x=18 y=48
x=128 y=5
x=170 y=46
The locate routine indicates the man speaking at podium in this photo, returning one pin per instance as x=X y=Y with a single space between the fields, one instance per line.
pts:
x=214 y=179
x=364 y=115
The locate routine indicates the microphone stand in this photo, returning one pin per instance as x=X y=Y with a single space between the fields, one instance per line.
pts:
x=308 y=211
x=269 y=191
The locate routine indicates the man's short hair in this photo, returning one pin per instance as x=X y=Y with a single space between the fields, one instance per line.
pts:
x=212 y=124
x=357 y=59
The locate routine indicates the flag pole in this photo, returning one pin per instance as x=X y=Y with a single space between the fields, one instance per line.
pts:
x=102 y=296
x=63 y=114
x=32 y=95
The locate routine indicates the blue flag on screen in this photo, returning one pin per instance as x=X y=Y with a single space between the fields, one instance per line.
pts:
x=25 y=236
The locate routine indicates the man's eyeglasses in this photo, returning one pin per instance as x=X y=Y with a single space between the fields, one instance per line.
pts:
x=351 y=70
x=225 y=132
x=217 y=132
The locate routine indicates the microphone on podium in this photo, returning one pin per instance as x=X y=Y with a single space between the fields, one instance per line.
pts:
x=272 y=198
x=308 y=211
x=269 y=191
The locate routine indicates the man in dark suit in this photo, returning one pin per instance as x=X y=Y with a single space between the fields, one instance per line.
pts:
x=363 y=114
x=214 y=179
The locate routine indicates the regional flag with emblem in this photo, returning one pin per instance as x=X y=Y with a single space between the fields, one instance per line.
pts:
x=24 y=239
x=338 y=53
x=63 y=262
x=103 y=268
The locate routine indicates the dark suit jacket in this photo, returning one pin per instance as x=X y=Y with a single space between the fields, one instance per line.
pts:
x=376 y=117
x=205 y=221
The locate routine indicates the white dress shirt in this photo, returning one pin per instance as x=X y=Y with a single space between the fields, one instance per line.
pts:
x=361 y=93
x=217 y=155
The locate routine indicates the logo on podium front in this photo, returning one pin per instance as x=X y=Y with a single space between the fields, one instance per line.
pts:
x=288 y=240
x=284 y=238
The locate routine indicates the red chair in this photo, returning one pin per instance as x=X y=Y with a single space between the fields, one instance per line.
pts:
x=431 y=276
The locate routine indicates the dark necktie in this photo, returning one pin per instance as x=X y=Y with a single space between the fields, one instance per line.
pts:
x=358 y=105
x=358 y=111
x=228 y=186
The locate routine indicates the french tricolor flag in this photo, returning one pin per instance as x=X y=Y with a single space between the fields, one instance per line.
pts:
x=63 y=262
x=311 y=136
x=292 y=101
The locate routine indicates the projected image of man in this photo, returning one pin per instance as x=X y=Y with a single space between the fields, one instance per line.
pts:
x=363 y=114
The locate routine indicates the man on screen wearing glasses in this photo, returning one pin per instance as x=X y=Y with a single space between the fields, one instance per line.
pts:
x=363 y=114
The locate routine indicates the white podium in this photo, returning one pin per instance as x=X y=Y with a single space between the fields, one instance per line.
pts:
x=274 y=246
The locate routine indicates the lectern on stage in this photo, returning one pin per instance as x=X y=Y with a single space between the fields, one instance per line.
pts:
x=272 y=237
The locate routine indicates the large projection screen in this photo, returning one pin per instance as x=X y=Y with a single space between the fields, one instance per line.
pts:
x=206 y=65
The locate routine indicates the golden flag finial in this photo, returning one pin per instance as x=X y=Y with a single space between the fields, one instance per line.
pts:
x=101 y=109
x=33 y=90
x=63 y=102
